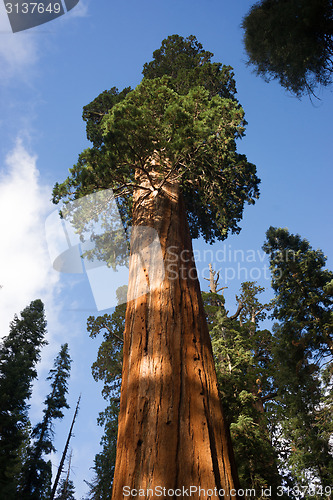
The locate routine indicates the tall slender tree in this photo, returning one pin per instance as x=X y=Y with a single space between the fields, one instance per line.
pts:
x=19 y=354
x=37 y=472
x=169 y=153
x=64 y=453
x=304 y=353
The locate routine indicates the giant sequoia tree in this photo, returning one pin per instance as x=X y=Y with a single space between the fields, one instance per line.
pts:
x=168 y=151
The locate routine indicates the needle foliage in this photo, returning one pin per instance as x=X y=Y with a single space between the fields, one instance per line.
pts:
x=291 y=41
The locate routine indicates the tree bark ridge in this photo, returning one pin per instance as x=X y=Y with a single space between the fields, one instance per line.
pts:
x=172 y=432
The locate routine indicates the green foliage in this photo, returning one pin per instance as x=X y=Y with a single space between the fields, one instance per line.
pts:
x=59 y=374
x=66 y=490
x=279 y=413
x=19 y=354
x=108 y=365
x=303 y=352
x=37 y=472
x=107 y=368
x=243 y=360
x=291 y=41
x=104 y=462
x=213 y=302
x=189 y=65
x=191 y=132
x=304 y=293
x=97 y=109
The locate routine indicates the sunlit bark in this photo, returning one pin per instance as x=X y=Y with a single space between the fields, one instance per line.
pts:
x=171 y=427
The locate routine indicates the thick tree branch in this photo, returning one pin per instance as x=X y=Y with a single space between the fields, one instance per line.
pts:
x=239 y=310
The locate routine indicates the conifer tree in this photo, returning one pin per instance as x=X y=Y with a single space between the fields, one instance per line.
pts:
x=37 y=471
x=107 y=367
x=291 y=41
x=19 y=354
x=168 y=151
x=303 y=352
x=304 y=290
x=243 y=358
x=66 y=490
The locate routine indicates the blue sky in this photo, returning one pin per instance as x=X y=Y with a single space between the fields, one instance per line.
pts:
x=47 y=75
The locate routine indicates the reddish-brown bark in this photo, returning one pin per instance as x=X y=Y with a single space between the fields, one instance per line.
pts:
x=172 y=432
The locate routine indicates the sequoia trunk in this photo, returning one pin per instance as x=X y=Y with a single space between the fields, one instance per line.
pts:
x=172 y=432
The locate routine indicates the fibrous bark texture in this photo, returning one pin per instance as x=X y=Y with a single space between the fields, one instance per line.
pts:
x=171 y=432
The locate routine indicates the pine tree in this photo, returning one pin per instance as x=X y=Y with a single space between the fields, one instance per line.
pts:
x=19 y=354
x=303 y=352
x=304 y=290
x=37 y=472
x=108 y=368
x=104 y=463
x=169 y=154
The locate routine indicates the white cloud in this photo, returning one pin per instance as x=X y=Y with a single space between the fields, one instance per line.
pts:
x=25 y=268
x=26 y=273
x=18 y=51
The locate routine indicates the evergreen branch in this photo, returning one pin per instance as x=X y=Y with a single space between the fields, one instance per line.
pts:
x=239 y=310
x=112 y=333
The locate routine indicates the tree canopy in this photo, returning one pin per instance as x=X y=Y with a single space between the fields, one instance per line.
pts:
x=304 y=290
x=189 y=65
x=291 y=41
x=190 y=127
x=303 y=353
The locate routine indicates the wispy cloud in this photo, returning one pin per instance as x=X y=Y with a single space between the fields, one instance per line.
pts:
x=18 y=52
x=80 y=10
x=25 y=268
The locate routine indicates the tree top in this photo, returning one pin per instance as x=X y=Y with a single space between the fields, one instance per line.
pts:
x=190 y=129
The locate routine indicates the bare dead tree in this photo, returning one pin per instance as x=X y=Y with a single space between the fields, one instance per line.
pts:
x=62 y=461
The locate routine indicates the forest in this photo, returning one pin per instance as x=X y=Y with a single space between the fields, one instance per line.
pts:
x=200 y=401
